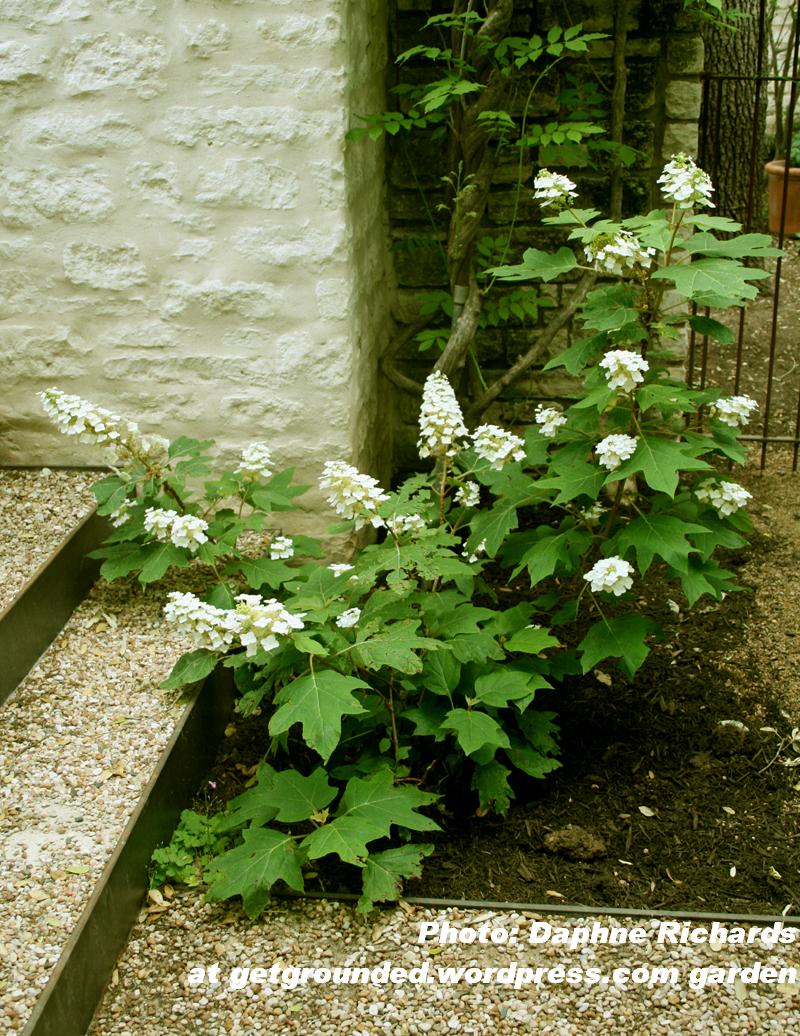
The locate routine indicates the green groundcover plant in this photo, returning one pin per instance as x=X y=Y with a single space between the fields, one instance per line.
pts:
x=394 y=678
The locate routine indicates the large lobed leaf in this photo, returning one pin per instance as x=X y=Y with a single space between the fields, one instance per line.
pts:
x=317 y=701
x=251 y=869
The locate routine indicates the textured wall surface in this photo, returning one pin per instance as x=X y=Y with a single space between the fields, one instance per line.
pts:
x=185 y=236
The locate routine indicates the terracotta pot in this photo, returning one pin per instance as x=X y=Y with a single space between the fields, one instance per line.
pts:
x=775 y=179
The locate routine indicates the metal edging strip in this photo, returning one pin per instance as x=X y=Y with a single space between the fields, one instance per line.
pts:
x=86 y=964
x=563 y=909
x=31 y=621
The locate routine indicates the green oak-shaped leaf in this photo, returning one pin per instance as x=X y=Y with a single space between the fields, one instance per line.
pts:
x=194 y=666
x=160 y=556
x=622 y=637
x=740 y=247
x=536 y=264
x=317 y=701
x=553 y=550
x=610 y=308
x=287 y=795
x=702 y=325
x=530 y=760
x=251 y=869
x=345 y=837
x=706 y=578
x=531 y=640
x=491 y=783
x=508 y=684
x=441 y=673
x=427 y=719
x=660 y=535
x=396 y=647
x=660 y=461
x=265 y=572
x=377 y=800
x=475 y=729
x=384 y=873
x=492 y=525
x=718 y=283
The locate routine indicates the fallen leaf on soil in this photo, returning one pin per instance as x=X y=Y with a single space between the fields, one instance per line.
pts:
x=554 y=894
x=729 y=810
x=646 y=811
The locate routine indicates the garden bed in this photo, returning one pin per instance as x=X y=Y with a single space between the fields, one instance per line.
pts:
x=719 y=798
x=682 y=797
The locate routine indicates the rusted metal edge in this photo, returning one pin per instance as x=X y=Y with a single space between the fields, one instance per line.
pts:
x=48 y=598
x=87 y=961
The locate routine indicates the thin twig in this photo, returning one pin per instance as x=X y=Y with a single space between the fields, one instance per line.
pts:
x=583 y=287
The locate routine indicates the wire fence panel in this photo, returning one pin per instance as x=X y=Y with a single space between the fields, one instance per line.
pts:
x=762 y=358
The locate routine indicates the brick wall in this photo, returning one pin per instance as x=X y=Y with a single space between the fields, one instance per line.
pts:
x=185 y=236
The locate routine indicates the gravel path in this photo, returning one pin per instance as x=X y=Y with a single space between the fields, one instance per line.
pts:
x=37 y=509
x=78 y=740
x=153 y=991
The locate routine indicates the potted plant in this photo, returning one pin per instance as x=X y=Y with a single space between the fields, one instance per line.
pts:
x=777 y=173
x=781 y=25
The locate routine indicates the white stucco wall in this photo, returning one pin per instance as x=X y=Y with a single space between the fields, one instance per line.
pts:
x=185 y=236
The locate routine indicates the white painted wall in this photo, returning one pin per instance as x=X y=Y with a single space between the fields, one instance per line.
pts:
x=185 y=236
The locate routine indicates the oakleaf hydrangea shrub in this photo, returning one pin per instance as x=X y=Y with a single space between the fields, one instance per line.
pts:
x=631 y=471
x=383 y=684
x=387 y=680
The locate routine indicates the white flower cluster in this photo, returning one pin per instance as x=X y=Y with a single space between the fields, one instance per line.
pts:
x=726 y=497
x=210 y=627
x=121 y=515
x=339 y=570
x=255 y=461
x=280 y=548
x=94 y=424
x=612 y=575
x=255 y=622
x=614 y=449
x=550 y=420
x=260 y=622
x=402 y=523
x=496 y=445
x=476 y=554
x=685 y=184
x=734 y=410
x=348 y=618
x=183 y=530
x=592 y=515
x=469 y=495
x=441 y=422
x=351 y=494
x=624 y=369
x=553 y=189
x=619 y=256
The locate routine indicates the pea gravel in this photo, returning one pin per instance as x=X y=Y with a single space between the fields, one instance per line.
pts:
x=79 y=738
x=150 y=994
x=37 y=509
